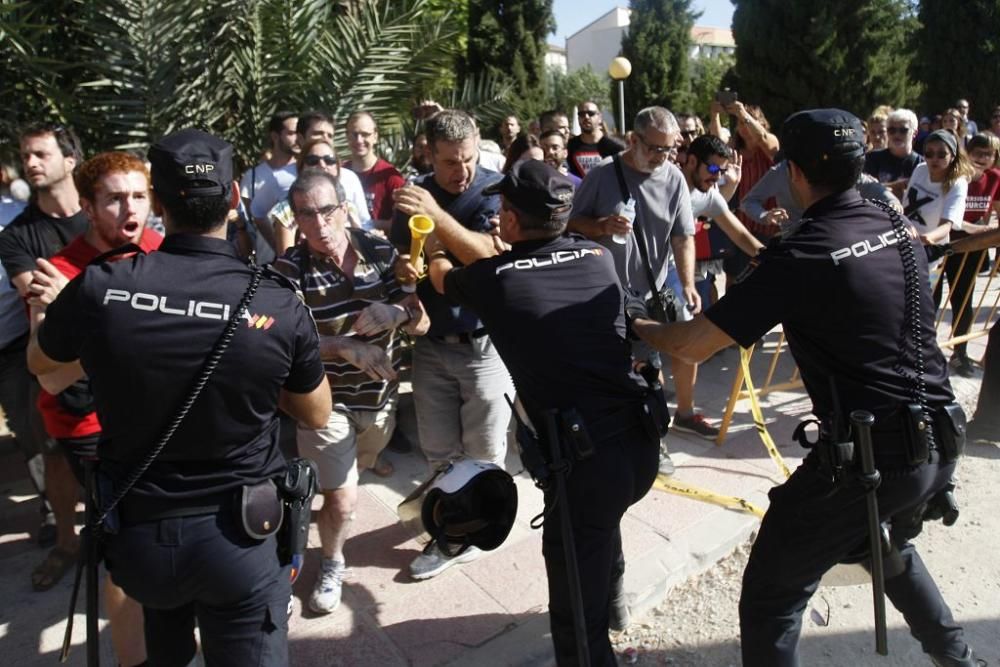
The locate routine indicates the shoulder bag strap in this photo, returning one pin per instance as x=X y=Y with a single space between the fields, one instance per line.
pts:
x=640 y=240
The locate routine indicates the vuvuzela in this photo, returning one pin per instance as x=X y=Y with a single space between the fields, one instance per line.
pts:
x=420 y=227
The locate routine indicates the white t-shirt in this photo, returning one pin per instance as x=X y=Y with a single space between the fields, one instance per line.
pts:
x=273 y=189
x=253 y=180
x=950 y=206
x=708 y=204
x=355 y=194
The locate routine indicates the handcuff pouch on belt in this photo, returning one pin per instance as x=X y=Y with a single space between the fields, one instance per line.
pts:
x=946 y=433
x=260 y=509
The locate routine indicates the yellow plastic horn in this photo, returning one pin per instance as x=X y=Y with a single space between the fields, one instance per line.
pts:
x=420 y=227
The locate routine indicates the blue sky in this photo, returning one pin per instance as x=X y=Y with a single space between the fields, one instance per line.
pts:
x=571 y=15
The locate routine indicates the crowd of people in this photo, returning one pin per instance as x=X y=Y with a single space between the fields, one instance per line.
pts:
x=677 y=202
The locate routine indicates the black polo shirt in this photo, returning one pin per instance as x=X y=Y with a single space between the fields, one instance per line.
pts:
x=142 y=328
x=836 y=286
x=33 y=234
x=554 y=310
x=473 y=211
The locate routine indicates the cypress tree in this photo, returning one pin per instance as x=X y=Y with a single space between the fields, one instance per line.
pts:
x=956 y=55
x=507 y=44
x=658 y=44
x=852 y=54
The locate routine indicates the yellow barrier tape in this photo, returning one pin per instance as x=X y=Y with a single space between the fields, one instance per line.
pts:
x=664 y=483
x=670 y=485
x=758 y=416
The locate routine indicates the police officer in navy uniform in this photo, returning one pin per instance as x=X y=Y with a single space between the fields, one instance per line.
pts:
x=554 y=308
x=850 y=290
x=141 y=328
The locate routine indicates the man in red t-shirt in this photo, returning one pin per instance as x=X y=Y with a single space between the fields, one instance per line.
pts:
x=378 y=177
x=114 y=194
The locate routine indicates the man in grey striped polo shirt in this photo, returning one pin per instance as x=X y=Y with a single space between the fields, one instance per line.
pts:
x=346 y=277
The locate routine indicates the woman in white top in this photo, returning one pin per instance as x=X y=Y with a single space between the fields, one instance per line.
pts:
x=937 y=189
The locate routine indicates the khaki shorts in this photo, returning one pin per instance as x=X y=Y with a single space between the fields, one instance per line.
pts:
x=351 y=439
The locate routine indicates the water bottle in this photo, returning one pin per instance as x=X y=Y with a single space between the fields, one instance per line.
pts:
x=625 y=209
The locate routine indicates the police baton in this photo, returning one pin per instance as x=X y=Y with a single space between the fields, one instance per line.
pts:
x=569 y=546
x=861 y=428
x=87 y=564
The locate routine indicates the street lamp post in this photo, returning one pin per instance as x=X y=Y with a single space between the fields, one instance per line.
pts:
x=619 y=69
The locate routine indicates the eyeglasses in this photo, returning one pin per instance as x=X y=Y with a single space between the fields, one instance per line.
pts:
x=659 y=150
x=313 y=160
x=588 y=112
x=689 y=133
x=937 y=155
x=325 y=211
x=898 y=130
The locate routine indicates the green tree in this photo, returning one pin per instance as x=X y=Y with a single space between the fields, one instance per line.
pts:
x=507 y=43
x=123 y=72
x=956 y=55
x=658 y=44
x=852 y=54
x=706 y=79
x=568 y=90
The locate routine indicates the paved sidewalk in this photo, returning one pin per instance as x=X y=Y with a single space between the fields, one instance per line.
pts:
x=489 y=612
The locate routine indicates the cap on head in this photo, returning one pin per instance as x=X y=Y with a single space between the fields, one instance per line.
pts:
x=535 y=188
x=946 y=137
x=191 y=163
x=820 y=135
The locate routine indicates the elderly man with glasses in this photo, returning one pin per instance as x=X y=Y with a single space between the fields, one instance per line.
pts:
x=894 y=165
x=346 y=277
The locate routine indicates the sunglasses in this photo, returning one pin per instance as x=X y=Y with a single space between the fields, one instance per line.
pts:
x=898 y=130
x=713 y=169
x=325 y=211
x=588 y=112
x=937 y=155
x=659 y=150
x=689 y=133
x=313 y=160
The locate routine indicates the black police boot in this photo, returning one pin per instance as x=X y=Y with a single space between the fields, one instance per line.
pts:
x=968 y=659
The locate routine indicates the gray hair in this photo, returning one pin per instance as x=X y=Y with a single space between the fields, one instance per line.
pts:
x=451 y=125
x=309 y=180
x=903 y=116
x=656 y=117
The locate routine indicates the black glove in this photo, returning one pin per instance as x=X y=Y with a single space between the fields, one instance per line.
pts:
x=935 y=252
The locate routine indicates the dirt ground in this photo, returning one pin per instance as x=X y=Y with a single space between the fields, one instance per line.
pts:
x=697 y=624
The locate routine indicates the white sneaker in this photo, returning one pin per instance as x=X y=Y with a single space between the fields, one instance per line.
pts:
x=433 y=562
x=325 y=597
